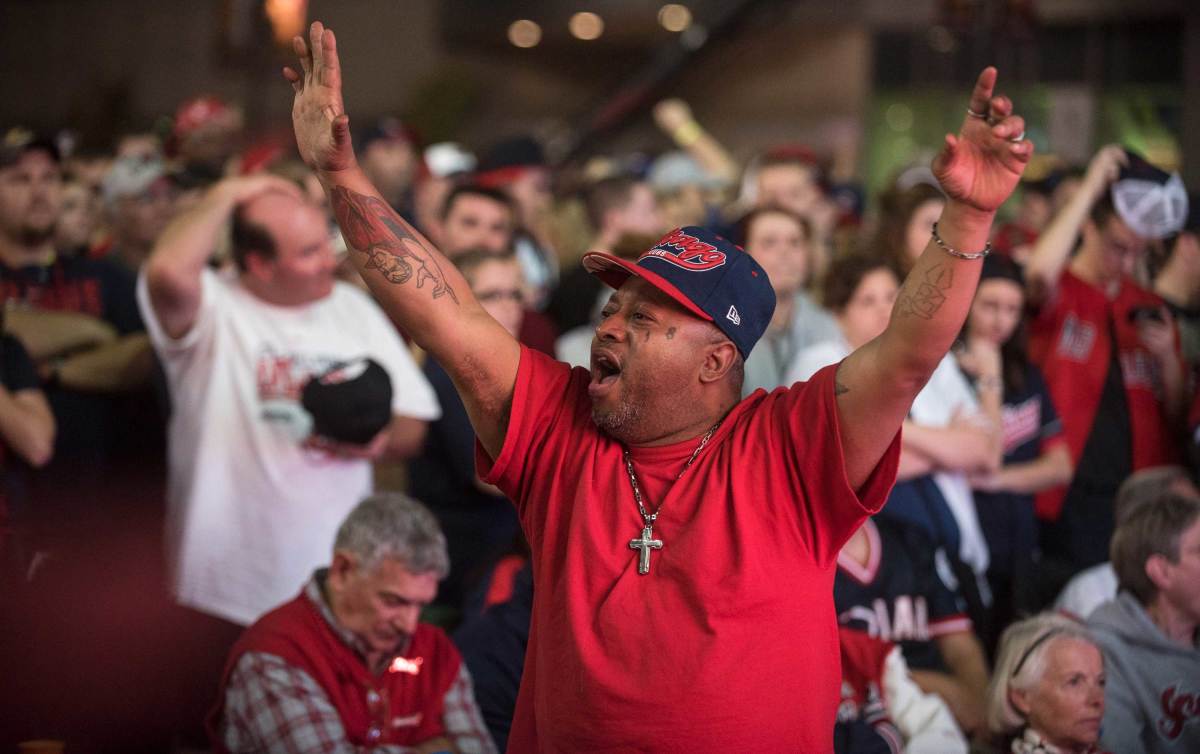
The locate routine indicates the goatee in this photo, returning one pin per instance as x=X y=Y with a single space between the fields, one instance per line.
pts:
x=619 y=422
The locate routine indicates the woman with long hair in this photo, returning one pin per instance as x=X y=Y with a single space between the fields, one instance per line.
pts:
x=1035 y=453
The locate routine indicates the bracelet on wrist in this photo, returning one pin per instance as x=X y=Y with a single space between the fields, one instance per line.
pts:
x=968 y=255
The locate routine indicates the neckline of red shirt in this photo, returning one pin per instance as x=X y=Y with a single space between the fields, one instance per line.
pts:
x=682 y=450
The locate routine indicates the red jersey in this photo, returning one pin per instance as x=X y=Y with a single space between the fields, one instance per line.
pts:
x=730 y=642
x=1071 y=340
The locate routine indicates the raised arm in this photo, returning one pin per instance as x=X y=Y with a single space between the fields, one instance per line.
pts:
x=978 y=169
x=1053 y=248
x=411 y=279
x=185 y=246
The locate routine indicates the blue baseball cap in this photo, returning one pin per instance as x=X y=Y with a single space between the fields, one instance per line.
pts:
x=708 y=275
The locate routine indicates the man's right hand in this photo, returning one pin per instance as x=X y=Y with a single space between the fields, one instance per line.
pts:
x=318 y=115
x=1104 y=168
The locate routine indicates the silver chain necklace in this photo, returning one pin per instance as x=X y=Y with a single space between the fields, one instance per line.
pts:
x=647 y=542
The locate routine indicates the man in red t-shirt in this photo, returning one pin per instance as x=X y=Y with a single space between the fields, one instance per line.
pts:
x=683 y=540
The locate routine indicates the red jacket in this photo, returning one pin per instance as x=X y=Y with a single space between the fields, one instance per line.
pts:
x=1070 y=340
x=410 y=692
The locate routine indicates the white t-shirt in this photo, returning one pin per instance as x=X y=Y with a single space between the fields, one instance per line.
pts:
x=252 y=512
x=816 y=357
x=948 y=392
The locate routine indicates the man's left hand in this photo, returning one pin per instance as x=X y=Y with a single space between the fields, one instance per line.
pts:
x=980 y=166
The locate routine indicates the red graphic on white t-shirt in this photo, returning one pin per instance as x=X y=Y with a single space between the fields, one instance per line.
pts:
x=283 y=375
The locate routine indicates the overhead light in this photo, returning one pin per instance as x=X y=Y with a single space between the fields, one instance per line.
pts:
x=288 y=19
x=524 y=33
x=586 y=25
x=674 y=17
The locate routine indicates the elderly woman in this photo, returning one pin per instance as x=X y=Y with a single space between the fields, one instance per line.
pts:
x=1047 y=693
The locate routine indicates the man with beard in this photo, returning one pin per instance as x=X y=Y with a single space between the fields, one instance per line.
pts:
x=683 y=540
x=76 y=317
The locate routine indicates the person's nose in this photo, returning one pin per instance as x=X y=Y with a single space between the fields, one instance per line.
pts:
x=611 y=327
x=406 y=618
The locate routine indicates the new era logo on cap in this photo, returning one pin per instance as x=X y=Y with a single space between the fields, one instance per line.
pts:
x=707 y=274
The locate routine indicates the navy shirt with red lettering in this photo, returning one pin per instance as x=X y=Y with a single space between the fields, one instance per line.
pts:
x=903 y=594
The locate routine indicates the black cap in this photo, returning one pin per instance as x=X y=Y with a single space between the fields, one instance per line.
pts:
x=18 y=141
x=351 y=402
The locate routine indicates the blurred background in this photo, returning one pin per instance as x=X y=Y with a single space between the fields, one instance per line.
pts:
x=880 y=78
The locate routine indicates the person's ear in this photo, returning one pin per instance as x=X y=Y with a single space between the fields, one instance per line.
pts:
x=1019 y=698
x=341 y=569
x=718 y=360
x=259 y=267
x=1158 y=570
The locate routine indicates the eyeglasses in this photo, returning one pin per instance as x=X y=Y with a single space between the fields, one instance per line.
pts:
x=511 y=294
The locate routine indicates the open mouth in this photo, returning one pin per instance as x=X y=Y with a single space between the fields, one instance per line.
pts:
x=606 y=369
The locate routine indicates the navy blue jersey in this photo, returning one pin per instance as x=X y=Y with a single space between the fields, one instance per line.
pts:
x=904 y=594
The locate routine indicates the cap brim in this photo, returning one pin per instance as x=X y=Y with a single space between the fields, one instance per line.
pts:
x=614 y=271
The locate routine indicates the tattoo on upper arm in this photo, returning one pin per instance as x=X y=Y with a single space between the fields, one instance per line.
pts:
x=373 y=228
x=928 y=295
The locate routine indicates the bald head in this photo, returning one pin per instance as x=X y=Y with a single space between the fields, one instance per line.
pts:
x=263 y=222
x=282 y=245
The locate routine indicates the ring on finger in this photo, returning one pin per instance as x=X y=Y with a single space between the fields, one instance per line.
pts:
x=973 y=114
x=1018 y=138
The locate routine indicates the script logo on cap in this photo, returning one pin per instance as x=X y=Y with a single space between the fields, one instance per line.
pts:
x=688 y=252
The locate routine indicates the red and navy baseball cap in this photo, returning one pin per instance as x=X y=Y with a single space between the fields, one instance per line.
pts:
x=708 y=275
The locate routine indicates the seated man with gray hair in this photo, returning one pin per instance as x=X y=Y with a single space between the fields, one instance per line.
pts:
x=1149 y=632
x=347 y=664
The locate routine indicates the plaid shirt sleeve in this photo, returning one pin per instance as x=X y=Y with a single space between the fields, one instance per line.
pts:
x=462 y=718
x=273 y=706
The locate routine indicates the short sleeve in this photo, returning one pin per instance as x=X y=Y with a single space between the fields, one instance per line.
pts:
x=831 y=509
x=550 y=411
x=19 y=371
x=203 y=329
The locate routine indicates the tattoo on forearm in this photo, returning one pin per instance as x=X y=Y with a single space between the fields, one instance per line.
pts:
x=928 y=297
x=374 y=229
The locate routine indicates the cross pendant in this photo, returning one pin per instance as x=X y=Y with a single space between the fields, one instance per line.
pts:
x=645 y=543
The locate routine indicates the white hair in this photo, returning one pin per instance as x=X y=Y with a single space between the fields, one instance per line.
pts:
x=393 y=525
x=1021 y=663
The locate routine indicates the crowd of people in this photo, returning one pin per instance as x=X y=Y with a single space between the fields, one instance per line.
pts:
x=214 y=345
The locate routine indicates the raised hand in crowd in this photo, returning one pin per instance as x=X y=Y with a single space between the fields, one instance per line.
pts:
x=412 y=280
x=1053 y=248
x=978 y=168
